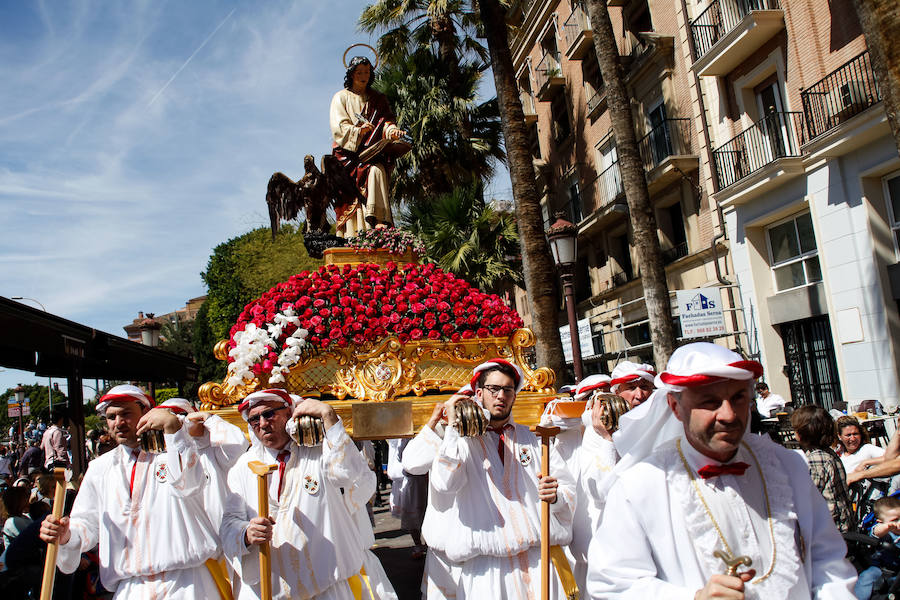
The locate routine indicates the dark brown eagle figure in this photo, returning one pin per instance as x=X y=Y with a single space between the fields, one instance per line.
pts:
x=313 y=194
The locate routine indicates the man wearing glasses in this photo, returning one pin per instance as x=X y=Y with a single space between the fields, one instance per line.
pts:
x=497 y=485
x=313 y=538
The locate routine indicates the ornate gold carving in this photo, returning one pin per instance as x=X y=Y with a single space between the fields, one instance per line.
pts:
x=220 y=350
x=387 y=370
x=355 y=256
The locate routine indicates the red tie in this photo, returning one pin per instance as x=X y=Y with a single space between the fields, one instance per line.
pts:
x=501 y=445
x=136 y=454
x=737 y=468
x=282 y=462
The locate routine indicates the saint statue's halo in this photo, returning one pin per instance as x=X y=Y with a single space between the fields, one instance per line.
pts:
x=375 y=66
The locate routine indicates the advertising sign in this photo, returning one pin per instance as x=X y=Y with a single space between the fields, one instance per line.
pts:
x=701 y=312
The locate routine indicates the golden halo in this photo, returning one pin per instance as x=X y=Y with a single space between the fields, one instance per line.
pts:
x=344 y=59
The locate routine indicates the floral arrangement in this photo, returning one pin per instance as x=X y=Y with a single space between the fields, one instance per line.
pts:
x=356 y=304
x=395 y=241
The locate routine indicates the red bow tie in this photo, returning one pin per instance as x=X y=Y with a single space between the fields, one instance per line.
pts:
x=737 y=468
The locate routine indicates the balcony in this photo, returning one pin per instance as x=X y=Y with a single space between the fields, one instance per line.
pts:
x=516 y=11
x=667 y=153
x=840 y=96
x=596 y=99
x=674 y=253
x=770 y=147
x=729 y=31
x=606 y=196
x=549 y=77
x=578 y=34
x=528 y=107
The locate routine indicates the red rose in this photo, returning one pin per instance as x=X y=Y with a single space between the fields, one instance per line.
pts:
x=433 y=334
x=483 y=332
x=467 y=334
x=455 y=337
x=415 y=334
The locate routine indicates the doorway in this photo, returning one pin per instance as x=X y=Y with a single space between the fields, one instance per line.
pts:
x=811 y=367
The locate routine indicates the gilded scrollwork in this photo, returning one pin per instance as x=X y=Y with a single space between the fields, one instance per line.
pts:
x=388 y=369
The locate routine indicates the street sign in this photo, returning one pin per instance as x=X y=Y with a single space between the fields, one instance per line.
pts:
x=584 y=340
x=700 y=311
x=13 y=408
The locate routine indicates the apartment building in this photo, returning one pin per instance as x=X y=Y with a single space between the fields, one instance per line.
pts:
x=770 y=165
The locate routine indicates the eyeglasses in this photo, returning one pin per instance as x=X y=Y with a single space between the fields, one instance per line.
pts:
x=268 y=415
x=494 y=390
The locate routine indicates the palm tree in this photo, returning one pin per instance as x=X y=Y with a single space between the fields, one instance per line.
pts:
x=468 y=237
x=643 y=219
x=538 y=269
x=456 y=139
x=880 y=22
x=413 y=25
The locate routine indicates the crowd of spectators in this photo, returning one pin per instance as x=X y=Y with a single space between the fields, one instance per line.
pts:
x=26 y=497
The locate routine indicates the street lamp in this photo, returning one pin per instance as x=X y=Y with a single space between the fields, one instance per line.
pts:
x=19 y=391
x=563 y=239
x=150 y=331
x=43 y=308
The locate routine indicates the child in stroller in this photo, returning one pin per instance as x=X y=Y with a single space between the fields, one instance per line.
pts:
x=885 y=560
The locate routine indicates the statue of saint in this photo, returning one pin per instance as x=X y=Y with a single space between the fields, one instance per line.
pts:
x=367 y=141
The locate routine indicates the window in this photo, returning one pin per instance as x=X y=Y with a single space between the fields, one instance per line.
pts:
x=573 y=194
x=892 y=194
x=793 y=253
x=559 y=111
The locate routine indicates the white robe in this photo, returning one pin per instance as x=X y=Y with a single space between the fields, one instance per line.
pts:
x=498 y=541
x=594 y=459
x=315 y=544
x=656 y=538
x=220 y=446
x=153 y=542
x=441 y=576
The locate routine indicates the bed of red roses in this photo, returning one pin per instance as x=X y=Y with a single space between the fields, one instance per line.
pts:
x=355 y=304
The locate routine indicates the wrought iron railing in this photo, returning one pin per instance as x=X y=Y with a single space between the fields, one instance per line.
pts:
x=595 y=96
x=672 y=137
x=577 y=23
x=675 y=252
x=547 y=69
x=720 y=17
x=840 y=95
x=777 y=135
x=607 y=186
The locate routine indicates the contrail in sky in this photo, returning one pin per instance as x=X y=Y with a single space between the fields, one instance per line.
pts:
x=199 y=48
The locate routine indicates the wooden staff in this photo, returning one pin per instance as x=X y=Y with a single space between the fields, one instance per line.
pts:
x=546 y=433
x=59 y=502
x=262 y=471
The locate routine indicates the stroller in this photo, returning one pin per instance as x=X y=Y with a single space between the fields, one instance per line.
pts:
x=865 y=551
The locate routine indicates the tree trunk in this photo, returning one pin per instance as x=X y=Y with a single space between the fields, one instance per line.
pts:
x=643 y=219
x=880 y=20
x=538 y=268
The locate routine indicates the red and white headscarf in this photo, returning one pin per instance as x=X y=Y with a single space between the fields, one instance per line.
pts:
x=486 y=366
x=271 y=395
x=124 y=393
x=466 y=390
x=627 y=371
x=179 y=406
x=703 y=363
x=651 y=424
x=590 y=384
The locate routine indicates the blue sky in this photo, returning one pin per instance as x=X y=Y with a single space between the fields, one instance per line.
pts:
x=136 y=136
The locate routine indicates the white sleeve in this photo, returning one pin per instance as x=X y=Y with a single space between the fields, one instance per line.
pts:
x=343 y=463
x=84 y=523
x=448 y=472
x=394 y=464
x=833 y=577
x=563 y=510
x=343 y=125
x=421 y=451
x=228 y=440
x=620 y=559
x=235 y=518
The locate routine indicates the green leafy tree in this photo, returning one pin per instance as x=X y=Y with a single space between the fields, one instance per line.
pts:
x=469 y=237
x=239 y=271
x=39 y=396
x=177 y=338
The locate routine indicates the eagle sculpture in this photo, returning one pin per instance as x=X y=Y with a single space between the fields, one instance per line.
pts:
x=313 y=193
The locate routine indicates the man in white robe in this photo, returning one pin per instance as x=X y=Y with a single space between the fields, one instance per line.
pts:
x=441 y=576
x=498 y=488
x=633 y=382
x=691 y=483
x=315 y=546
x=144 y=510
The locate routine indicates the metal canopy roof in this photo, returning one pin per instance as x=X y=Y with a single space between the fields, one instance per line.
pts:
x=48 y=345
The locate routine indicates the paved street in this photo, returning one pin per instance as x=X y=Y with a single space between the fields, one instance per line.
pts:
x=393 y=547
